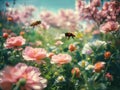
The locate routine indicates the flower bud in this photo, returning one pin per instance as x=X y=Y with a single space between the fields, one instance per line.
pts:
x=72 y=47
x=5 y=35
x=107 y=54
x=22 y=81
x=98 y=67
x=76 y=71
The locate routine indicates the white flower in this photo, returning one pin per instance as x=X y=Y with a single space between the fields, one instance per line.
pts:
x=83 y=63
x=98 y=43
x=87 y=49
x=60 y=79
x=89 y=67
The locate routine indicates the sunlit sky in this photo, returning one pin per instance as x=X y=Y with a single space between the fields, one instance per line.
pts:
x=52 y=5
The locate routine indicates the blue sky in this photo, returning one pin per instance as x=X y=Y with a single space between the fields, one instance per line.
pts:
x=53 y=5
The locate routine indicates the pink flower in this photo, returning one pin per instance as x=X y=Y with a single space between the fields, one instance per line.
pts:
x=13 y=75
x=109 y=26
x=34 y=53
x=61 y=59
x=13 y=42
x=58 y=43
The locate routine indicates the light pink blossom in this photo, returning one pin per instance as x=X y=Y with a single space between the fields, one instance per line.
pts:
x=109 y=26
x=61 y=59
x=109 y=11
x=12 y=75
x=34 y=53
x=57 y=43
x=13 y=42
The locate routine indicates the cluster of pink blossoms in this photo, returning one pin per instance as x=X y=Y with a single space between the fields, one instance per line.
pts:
x=93 y=10
x=63 y=19
x=106 y=14
x=97 y=12
x=21 y=14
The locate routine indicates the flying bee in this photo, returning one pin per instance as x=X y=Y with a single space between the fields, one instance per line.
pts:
x=68 y=35
x=35 y=23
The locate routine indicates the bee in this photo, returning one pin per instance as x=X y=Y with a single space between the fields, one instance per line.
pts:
x=35 y=23
x=68 y=35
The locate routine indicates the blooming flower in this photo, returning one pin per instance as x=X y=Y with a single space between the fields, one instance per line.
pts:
x=34 y=53
x=99 y=66
x=109 y=26
x=14 y=42
x=61 y=59
x=58 y=43
x=27 y=76
x=98 y=43
x=83 y=63
x=60 y=79
x=87 y=49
